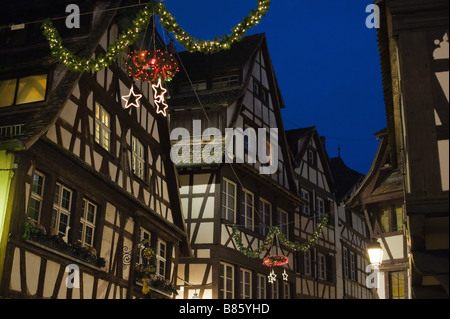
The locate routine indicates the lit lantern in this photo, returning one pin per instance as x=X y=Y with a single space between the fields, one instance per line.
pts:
x=375 y=253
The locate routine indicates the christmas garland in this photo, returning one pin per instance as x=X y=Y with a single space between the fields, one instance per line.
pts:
x=275 y=231
x=75 y=63
x=219 y=43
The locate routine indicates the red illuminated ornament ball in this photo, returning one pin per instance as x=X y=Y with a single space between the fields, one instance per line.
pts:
x=151 y=65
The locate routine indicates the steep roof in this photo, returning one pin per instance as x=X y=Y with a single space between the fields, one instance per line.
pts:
x=196 y=66
x=298 y=141
x=299 y=138
x=344 y=178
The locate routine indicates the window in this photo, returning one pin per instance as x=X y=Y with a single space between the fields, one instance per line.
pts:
x=228 y=200
x=62 y=205
x=262 y=279
x=260 y=91
x=352 y=266
x=305 y=196
x=37 y=192
x=321 y=266
x=265 y=213
x=137 y=158
x=226 y=281
x=144 y=235
x=320 y=207
x=245 y=280
x=87 y=222
x=391 y=219
x=275 y=294
x=102 y=127
x=247 y=209
x=346 y=262
x=384 y=221
x=283 y=221
x=307 y=262
x=397 y=280
x=286 y=290
x=188 y=87
x=23 y=90
x=161 y=255
x=312 y=157
x=225 y=81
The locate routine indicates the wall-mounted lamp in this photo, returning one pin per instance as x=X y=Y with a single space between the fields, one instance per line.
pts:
x=375 y=253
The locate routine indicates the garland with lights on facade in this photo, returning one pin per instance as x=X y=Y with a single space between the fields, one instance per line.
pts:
x=275 y=231
x=74 y=63
x=192 y=44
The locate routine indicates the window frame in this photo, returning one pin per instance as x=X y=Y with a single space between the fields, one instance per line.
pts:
x=286 y=290
x=284 y=226
x=321 y=266
x=142 y=232
x=261 y=286
x=307 y=269
x=353 y=265
x=225 y=208
x=84 y=223
x=265 y=219
x=394 y=225
x=136 y=158
x=224 y=81
x=36 y=197
x=98 y=122
x=224 y=290
x=243 y=284
x=161 y=261
x=320 y=207
x=391 y=286
x=305 y=209
x=16 y=89
x=248 y=217
x=60 y=209
x=346 y=262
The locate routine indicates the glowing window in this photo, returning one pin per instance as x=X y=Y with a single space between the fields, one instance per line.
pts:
x=24 y=90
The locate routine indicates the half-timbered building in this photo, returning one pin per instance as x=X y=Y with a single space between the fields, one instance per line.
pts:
x=316 y=267
x=380 y=199
x=413 y=164
x=352 y=237
x=90 y=180
x=234 y=90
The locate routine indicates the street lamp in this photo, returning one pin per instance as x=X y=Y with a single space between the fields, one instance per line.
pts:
x=375 y=253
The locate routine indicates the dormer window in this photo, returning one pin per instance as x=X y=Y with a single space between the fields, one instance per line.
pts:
x=23 y=90
x=188 y=87
x=225 y=81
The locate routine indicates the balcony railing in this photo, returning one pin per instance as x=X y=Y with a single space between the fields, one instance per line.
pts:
x=11 y=131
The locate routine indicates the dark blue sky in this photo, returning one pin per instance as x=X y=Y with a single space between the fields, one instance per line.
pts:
x=325 y=59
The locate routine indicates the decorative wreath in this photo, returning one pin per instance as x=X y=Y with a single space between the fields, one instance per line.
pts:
x=275 y=260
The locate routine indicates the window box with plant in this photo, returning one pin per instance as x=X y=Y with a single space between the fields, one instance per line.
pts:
x=145 y=273
x=37 y=233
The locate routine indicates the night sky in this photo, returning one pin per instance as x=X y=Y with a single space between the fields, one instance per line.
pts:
x=326 y=62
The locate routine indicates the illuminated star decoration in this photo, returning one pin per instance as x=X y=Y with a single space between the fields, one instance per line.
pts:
x=159 y=98
x=285 y=275
x=272 y=277
x=134 y=100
